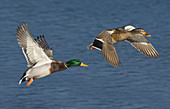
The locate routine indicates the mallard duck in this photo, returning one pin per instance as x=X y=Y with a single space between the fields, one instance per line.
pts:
x=135 y=36
x=39 y=56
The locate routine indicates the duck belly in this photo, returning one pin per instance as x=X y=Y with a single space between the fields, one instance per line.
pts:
x=40 y=71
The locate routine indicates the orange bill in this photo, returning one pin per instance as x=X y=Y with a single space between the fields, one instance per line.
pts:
x=147 y=35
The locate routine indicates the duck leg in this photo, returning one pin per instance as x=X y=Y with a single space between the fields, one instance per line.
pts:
x=30 y=81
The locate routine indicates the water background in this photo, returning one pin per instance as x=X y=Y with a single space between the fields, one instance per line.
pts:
x=69 y=26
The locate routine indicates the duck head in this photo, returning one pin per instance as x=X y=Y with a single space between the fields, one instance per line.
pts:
x=75 y=62
x=140 y=32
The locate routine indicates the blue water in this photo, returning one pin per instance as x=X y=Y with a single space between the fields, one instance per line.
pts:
x=69 y=26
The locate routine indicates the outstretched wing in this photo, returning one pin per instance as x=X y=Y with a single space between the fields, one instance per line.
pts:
x=44 y=45
x=109 y=53
x=143 y=45
x=33 y=52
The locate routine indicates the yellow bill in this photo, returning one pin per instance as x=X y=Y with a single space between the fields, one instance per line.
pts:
x=84 y=65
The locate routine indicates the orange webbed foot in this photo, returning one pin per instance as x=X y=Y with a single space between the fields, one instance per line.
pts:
x=30 y=81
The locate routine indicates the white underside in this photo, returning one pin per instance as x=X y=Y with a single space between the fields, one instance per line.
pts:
x=39 y=71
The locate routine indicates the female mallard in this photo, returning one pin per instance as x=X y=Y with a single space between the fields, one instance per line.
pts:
x=39 y=56
x=107 y=38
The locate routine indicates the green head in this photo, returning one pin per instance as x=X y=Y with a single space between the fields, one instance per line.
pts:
x=75 y=62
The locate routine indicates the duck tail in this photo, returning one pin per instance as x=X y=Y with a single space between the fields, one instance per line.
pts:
x=23 y=78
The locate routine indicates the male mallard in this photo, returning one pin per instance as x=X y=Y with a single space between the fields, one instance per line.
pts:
x=107 y=38
x=39 y=56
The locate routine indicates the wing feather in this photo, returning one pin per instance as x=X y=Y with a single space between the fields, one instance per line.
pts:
x=109 y=53
x=33 y=53
x=143 y=45
x=44 y=45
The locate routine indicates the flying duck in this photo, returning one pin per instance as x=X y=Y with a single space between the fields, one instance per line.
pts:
x=135 y=36
x=39 y=56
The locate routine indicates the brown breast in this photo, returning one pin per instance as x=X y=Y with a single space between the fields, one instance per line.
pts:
x=57 y=66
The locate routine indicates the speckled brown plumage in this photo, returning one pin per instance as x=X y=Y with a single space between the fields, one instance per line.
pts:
x=107 y=38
